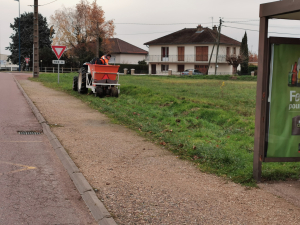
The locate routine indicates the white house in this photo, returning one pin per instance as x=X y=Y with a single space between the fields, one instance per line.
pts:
x=124 y=53
x=4 y=65
x=191 y=48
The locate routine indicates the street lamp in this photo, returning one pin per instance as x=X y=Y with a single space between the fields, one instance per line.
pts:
x=41 y=64
x=19 y=38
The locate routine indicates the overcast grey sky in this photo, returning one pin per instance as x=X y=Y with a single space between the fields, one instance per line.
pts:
x=176 y=14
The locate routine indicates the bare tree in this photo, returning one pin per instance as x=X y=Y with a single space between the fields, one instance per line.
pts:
x=235 y=61
x=81 y=25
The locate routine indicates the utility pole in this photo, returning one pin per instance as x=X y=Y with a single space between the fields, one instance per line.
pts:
x=216 y=67
x=97 y=50
x=36 y=40
x=19 y=38
x=212 y=53
x=97 y=36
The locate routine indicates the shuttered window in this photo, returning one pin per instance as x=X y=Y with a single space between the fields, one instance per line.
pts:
x=180 y=53
x=202 y=68
x=180 y=68
x=228 y=51
x=201 y=53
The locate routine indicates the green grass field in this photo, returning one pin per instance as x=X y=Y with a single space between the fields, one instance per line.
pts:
x=208 y=121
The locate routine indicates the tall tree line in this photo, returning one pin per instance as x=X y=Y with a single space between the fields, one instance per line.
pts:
x=82 y=28
x=244 y=55
x=26 y=34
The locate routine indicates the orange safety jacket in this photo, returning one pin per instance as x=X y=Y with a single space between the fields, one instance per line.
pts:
x=104 y=60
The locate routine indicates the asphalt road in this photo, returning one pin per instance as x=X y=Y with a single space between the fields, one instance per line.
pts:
x=34 y=186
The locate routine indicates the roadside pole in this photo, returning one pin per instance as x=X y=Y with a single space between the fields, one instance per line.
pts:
x=27 y=62
x=58 y=51
x=36 y=41
x=58 y=62
x=58 y=74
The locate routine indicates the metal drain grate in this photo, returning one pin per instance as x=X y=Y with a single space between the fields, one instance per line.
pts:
x=30 y=132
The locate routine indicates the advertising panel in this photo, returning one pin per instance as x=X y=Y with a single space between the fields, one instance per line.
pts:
x=283 y=138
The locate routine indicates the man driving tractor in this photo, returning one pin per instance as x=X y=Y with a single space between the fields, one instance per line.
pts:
x=102 y=61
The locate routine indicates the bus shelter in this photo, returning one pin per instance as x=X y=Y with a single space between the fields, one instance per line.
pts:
x=277 y=117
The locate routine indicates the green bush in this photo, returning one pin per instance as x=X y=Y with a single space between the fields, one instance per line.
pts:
x=138 y=68
x=252 y=68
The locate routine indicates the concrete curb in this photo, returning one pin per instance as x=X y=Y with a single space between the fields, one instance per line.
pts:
x=98 y=210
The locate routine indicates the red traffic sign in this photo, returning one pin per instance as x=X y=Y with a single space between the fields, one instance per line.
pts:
x=27 y=60
x=58 y=50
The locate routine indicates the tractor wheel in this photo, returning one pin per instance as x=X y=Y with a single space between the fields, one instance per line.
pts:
x=100 y=92
x=81 y=84
x=107 y=92
x=75 y=83
x=114 y=92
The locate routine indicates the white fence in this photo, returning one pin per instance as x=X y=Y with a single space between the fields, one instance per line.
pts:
x=55 y=69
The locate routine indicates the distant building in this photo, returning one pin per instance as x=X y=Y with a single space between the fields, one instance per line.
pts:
x=191 y=48
x=253 y=63
x=124 y=53
x=4 y=65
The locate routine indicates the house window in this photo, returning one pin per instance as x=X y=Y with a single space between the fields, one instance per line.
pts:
x=164 y=68
x=180 y=53
x=234 y=50
x=201 y=53
x=228 y=51
x=180 y=68
x=164 y=53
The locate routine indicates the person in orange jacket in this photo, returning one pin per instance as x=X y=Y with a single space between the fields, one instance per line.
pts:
x=103 y=60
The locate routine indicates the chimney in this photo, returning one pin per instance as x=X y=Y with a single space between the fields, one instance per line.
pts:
x=199 y=28
x=215 y=28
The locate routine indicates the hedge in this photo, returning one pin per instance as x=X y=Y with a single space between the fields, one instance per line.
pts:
x=252 y=68
x=138 y=68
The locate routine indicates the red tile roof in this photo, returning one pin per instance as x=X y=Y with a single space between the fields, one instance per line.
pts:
x=192 y=36
x=119 y=46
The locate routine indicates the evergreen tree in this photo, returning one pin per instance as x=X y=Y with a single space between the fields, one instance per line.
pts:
x=244 y=55
x=26 y=33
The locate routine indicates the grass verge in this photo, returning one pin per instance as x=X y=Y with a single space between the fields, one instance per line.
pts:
x=207 y=121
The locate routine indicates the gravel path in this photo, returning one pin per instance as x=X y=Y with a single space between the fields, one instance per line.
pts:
x=142 y=183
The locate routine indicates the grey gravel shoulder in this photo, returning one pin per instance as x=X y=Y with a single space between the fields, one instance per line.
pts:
x=98 y=210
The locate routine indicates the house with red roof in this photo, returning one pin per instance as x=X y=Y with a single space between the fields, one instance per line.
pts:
x=124 y=53
x=191 y=48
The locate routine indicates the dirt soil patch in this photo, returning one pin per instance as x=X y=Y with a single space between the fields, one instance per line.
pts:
x=142 y=183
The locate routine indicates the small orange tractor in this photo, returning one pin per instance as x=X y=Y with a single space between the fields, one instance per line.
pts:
x=101 y=79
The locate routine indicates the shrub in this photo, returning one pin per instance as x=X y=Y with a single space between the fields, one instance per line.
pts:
x=138 y=68
x=252 y=67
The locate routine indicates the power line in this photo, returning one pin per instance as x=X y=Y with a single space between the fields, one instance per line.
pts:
x=45 y=4
x=258 y=30
x=48 y=3
x=163 y=24
x=239 y=28
x=243 y=23
x=286 y=27
x=204 y=23
x=240 y=18
x=149 y=33
x=239 y=21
